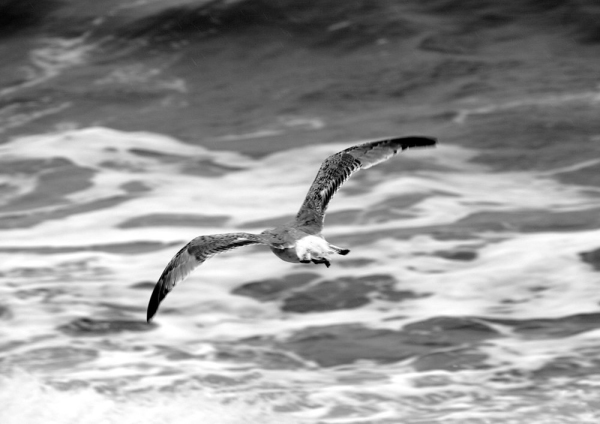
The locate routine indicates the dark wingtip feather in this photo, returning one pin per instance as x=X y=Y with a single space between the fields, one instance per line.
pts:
x=155 y=300
x=415 y=141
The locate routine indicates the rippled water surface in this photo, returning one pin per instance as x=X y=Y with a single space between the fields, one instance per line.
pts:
x=471 y=291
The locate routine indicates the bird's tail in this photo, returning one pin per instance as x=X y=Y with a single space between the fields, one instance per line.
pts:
x=339 y=250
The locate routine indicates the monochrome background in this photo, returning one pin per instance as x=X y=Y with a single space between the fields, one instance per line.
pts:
x=471 y=293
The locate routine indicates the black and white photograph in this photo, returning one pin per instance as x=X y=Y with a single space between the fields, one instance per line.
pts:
x=299 y=212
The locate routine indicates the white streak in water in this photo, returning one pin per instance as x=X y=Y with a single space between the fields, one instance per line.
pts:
x=592 y=98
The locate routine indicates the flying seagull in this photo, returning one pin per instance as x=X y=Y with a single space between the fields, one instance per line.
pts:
x=300 y=240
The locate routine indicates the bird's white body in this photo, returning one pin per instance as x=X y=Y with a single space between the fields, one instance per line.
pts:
x=306 y=249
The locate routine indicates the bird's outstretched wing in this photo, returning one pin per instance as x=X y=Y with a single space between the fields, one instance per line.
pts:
x=337 y=168
x=194 y=254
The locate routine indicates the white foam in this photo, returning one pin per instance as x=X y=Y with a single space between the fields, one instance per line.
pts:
x=54 y=55
x=282 y=126
x=514 y=275
x=590 y=97
x=25 y=399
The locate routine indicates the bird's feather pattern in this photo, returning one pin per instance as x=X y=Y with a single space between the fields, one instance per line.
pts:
x=337 y=168
x=194 y=254
x=334 y=171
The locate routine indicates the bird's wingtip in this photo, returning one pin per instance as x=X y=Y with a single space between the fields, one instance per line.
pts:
x=417 y=141
x=153 y=303
x=150 y=313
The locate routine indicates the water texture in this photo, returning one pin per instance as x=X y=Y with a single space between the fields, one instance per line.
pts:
x=471 y=291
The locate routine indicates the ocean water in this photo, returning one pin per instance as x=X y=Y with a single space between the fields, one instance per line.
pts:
x=471 y=292
x=435 y=316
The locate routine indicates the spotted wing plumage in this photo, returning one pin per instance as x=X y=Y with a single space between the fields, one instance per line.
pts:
x=337 y=168
x=194 y=254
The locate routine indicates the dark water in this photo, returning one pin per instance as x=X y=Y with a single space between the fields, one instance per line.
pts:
x=471 y=291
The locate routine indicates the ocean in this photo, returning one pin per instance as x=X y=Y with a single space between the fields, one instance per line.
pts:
x=471 y=292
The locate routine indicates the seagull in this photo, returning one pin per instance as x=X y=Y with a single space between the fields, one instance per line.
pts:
x=300 y=240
